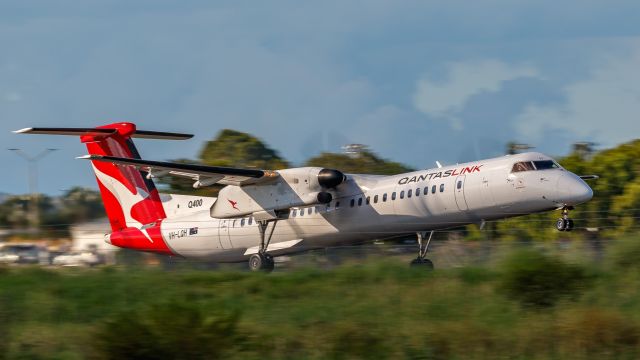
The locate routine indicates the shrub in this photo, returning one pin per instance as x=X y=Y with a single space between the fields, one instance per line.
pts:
x=597 y=332
x=539 y=280
x=625 y=254
x=171 y=331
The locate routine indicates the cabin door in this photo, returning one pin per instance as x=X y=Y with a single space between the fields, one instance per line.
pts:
x=224 y=233
x=459 y=191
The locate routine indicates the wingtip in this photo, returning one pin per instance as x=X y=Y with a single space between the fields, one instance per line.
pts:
x=22 y=131
x=85 y=157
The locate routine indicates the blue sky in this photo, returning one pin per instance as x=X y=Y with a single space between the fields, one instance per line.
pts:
x=417 y=81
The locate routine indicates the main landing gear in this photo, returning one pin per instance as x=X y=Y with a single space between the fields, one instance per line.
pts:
x=564 y=223
x=421 y=260
x=262 y=261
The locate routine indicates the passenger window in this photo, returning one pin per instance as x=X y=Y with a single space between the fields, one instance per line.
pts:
x=234 y=223
x=426 y=190
x=433 y=189
x=402 y=194
x=459 y=185
x=522 y=166
x=409 y=193
x=353 y=202
x=384 y=197
x=418 y=192
x=242 y=223
x=368 y=200
x=375 y=199
x=360 y=202
x=393 y=195
x=337 y=205
x=250 y=221
x=441 y=187
x=310 y=211
x=301 y=212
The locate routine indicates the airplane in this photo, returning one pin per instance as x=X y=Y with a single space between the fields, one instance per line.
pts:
x=264 y=213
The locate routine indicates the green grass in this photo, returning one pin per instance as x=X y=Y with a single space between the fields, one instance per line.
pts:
x=380 y=309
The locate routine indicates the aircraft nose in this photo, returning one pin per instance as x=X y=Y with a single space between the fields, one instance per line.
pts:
x=572 y=190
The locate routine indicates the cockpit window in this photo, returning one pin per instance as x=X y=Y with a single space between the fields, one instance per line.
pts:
x=534 y=165
x=546 y=164
x=522 y=166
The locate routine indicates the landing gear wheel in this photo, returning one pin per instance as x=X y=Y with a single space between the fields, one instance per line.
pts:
x=261 y=262
x=422 y=263
x=269 y=263
x=568 y=225
x=564 y=223
x=256 y=262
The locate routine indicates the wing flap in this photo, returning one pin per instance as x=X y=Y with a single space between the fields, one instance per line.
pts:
x=201 y=174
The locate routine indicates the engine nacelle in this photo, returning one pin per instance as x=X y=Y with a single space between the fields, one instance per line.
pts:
x=293 y=188
x=330 y=178
x=324 y=197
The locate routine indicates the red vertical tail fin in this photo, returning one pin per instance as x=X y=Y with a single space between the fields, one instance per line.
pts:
x=130 y=198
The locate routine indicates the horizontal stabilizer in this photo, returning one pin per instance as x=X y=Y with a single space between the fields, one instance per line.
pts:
x=202 y=175
x=141 y=134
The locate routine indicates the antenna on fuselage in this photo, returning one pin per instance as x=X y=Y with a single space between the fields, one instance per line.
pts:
x=438 y=163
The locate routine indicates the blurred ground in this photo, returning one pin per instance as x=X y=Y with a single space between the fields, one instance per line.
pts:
x=486 y=300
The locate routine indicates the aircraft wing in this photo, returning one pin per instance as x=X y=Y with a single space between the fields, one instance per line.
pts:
x=201 y=175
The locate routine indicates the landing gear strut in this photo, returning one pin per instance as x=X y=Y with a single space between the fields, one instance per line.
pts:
x=262 y=261
x=421 y=260
x=564 y=223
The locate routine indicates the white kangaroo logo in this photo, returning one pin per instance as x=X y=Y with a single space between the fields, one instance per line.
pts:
x=125 y=197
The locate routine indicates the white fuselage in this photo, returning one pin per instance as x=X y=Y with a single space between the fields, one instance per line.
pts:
x=369 y=207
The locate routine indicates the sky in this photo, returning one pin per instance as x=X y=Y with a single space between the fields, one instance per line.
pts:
x=417 y=81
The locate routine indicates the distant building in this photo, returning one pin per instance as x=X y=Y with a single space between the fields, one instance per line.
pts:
x=354 y=150
x=89 y=236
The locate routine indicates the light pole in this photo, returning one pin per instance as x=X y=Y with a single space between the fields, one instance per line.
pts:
x=32 y=162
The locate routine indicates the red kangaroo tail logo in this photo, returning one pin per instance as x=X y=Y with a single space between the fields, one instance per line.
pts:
x=234 y=204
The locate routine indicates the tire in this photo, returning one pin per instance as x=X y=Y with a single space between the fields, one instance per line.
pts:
x=415 y=263
x=427 y=264
x=561 y=225
x=569 y=225
x=269 y=263
x=261 y=262
x=256 y=262
x=421 y=263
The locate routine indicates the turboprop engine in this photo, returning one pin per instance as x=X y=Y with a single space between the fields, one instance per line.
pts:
x=294 y=187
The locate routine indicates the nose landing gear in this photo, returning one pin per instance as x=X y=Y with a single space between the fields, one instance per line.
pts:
x=564 y=223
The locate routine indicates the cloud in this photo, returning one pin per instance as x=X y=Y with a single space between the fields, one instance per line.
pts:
x=446 y=99
x=604 y=107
